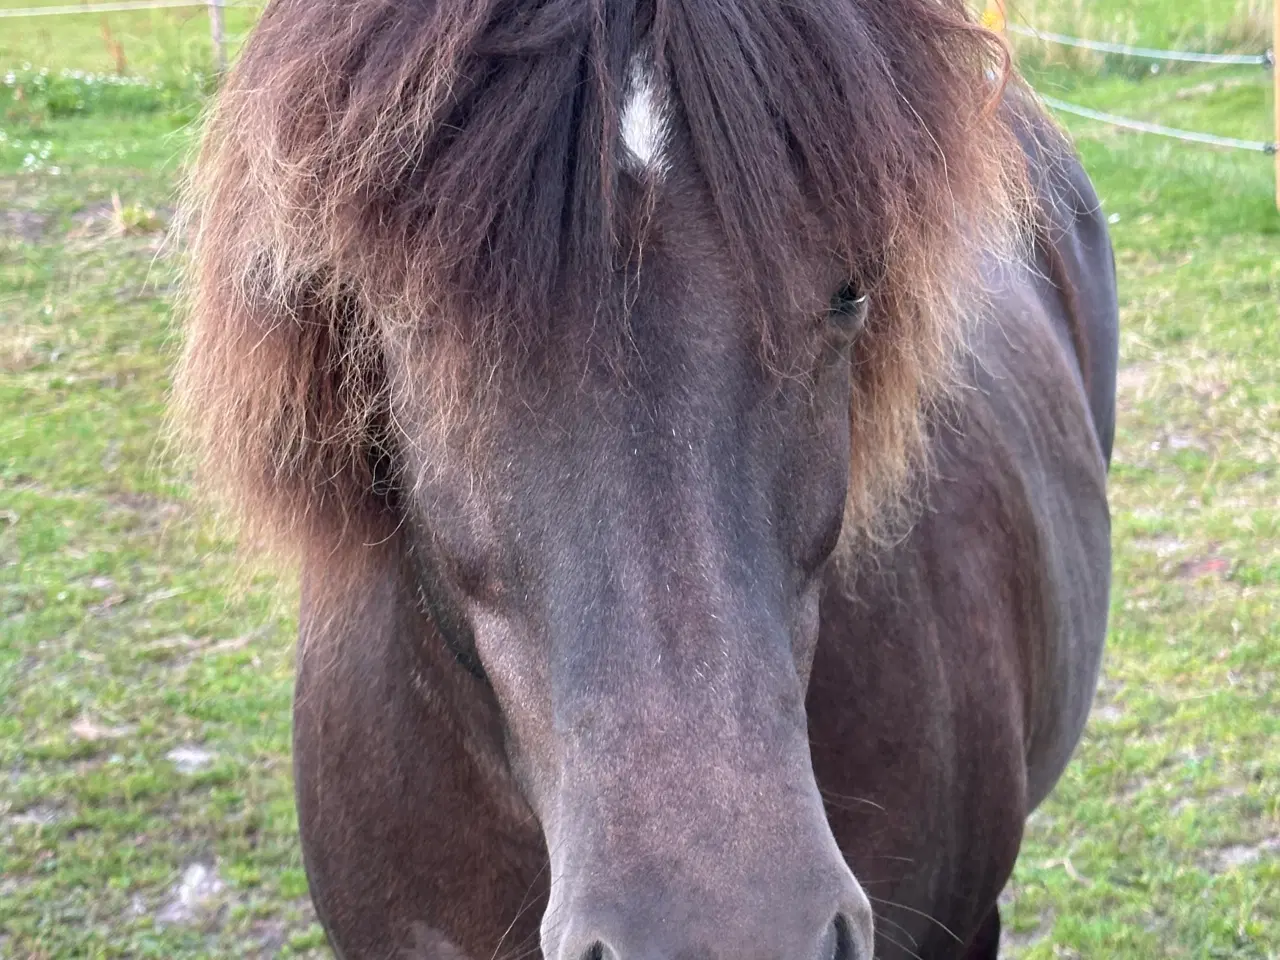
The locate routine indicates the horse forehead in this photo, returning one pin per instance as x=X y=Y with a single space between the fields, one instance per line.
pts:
x=644 y=121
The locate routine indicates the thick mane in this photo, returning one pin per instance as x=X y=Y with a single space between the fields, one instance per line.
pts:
x=455 y=167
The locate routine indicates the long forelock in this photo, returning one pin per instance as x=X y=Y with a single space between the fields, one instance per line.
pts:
x=466 y=169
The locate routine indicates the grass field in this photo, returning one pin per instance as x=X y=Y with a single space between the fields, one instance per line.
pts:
x=145 y=800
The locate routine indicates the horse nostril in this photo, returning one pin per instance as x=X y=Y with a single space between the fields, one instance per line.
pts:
x=838 y=942
x=598 y=951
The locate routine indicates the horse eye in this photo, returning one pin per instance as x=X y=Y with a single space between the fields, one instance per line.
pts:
x=849 y=309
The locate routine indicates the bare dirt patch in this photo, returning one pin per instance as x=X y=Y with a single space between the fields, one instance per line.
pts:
x=91 y=731
x=1230 y=858
x=41 y=815
x=1133 y=380
x=190 y=758
x=1162 y=546
x=1217 y=567
x=18 y=347
x=25 y=225
x=152 y=512
x=196 y=900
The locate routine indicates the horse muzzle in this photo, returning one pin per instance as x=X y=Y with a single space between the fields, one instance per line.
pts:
x=608 y=934
x=708 y=861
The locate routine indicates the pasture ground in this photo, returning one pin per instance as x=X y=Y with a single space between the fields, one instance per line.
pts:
x=145 y=798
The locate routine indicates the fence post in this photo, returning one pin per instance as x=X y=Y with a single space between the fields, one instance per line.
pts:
x=219 y=38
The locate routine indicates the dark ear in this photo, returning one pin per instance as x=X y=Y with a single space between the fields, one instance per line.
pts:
x=848 y=311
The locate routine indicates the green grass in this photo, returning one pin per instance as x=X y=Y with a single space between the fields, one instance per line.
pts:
x=141 y=42
x=121 y=640
x=1217 y=26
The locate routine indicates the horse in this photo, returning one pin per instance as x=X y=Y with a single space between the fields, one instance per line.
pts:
x=691 y=421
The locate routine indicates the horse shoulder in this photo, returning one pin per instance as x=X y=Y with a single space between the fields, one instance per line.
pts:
x=956 y=669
